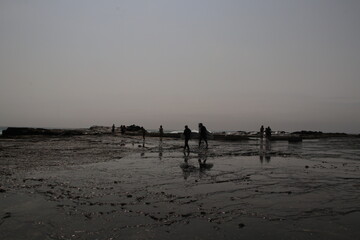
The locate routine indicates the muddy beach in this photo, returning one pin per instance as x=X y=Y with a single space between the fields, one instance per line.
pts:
x=117 y=187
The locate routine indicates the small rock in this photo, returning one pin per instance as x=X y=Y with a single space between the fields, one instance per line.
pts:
x=241 y=225
x=186 y=215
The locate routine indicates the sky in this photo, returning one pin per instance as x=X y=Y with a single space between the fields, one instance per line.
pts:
x=230 y=64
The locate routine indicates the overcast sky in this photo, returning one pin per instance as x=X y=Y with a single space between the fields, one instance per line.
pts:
x=233 y=65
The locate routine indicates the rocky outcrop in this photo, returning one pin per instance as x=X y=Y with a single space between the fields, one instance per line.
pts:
x=18 y=131
x=133 y=128
x=318 y=134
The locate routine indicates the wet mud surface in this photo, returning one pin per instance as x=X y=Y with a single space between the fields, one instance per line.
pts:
x=116 y=187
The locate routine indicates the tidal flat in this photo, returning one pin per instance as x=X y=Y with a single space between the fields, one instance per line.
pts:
x=119 y=187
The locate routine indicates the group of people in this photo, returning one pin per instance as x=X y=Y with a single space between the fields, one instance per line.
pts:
x=202 y=136
x=122 y=129
x=187 y=135
x=267 y=132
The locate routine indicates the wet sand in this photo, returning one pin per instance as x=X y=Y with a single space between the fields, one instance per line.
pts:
x=111 y=187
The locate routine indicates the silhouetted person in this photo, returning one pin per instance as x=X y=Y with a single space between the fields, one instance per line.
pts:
x=161 y=132
x=202 y=134
x=122 y=129
x=143 y=132
x=187 y=135
x=261 y=131
x=268 y=133
x=113 y=129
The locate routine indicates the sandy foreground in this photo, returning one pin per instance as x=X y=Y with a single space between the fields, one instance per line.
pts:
x=111 y=187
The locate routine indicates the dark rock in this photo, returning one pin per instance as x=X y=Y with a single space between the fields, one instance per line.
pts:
x=302 y=132
x=133 y=128
x=186 y=215
x=15 y=131
x=18 y=131
x=6 y=215
x=241 y=225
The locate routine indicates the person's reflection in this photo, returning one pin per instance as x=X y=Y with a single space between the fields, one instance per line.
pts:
x=202 y=158
x=203 y=166
x=160 y=150
x=186 y=157
x=261 y=151
x=267 y=150
x=142 y=153
x=185 y=167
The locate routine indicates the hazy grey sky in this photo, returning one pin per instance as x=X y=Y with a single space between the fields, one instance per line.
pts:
x=233 y=65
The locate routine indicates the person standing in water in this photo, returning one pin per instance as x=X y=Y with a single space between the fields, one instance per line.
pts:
x=113 y=129
x=122 y=129
x=187 y=135
x=161 y=132
x=268 y=133
x=203 y=134
x=262 y=131
x=143 y=131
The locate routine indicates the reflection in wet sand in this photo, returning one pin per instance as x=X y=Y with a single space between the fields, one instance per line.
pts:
x=97 y=187
x=189 y=168
x=186 y=168
x=160 y=149
x=264 y=144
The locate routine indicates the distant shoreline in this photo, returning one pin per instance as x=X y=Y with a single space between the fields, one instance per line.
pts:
x=223 y=135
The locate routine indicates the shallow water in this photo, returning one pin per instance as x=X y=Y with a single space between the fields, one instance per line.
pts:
x=112 y=187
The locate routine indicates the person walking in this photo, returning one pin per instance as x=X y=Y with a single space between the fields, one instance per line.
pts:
x=113 y=129
x=202 y=134
x=262 y=131
x=161 y=132
x=268 y=133
x=187 y=135
x=143 y=131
